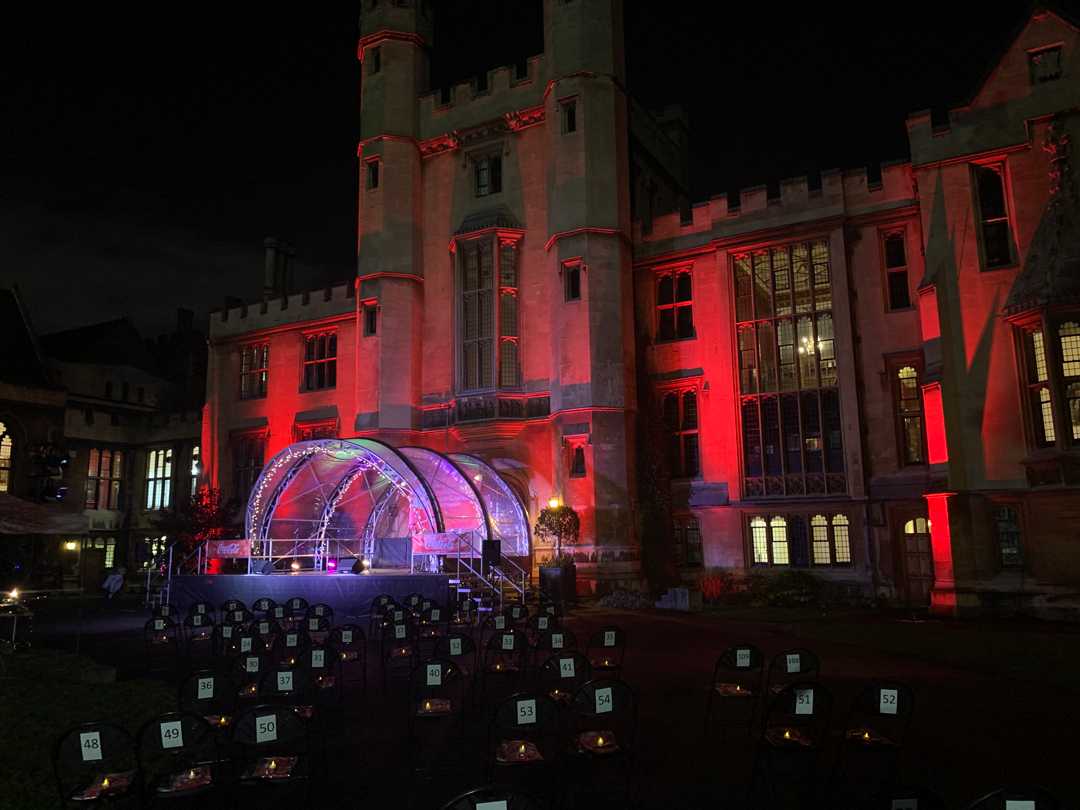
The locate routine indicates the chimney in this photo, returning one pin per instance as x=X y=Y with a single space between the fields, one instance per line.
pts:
x=277 y=273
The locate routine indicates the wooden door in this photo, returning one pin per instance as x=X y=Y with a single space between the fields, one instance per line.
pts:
x=918 y=562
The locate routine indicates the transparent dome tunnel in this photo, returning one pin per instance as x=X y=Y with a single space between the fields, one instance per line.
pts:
x=322 y=501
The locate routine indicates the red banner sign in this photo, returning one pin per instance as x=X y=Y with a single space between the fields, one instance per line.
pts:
x=228 y=548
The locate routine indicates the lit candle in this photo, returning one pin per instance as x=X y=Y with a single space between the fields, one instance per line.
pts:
x=522 y=749
x=599 y=741
x=191 y=774
x=105 y=782
x=866 y=736
x=787 y=734
x=273 y=765
x=427 y=705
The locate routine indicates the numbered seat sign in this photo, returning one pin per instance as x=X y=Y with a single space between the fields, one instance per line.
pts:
x=398 y=615
x=291 y=640
x=793 y=663
x=556 y=641
x=508 y=641
x=399 y=631
x=1014 y=804
x=499 y=805
x=566 y=667
x=266 y=728
x=264 y=628
x=200 y=608
x=245 y=644
x=295 y=604
x=205 y=688
x=435 y=614
x=526 y=712
x=313 y=624
x=172 y=735
x=159 y=624
x=196 y=620
x=455 y=646
x=804 y=701
x=500 y=622
x=542 y=623
x=609 y=638
x=226 y=631
x=346 y=636
x=238 y=615
x=252 y=664
x=284 y=681
x=887 y=701
x=604 y=702
x=90 y=745
x=279 y=613
x=742 y=658
x=434 y=675
x=318 y=610
x=318 y=659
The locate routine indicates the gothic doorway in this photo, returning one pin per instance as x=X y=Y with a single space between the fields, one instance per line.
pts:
x=918 y=563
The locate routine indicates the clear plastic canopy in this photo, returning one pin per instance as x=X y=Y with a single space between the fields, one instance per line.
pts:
x=353 y=489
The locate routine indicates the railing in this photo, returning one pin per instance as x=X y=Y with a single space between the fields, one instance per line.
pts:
x=318 y=551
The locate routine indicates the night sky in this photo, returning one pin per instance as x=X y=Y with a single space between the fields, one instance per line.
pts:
x=144 y=157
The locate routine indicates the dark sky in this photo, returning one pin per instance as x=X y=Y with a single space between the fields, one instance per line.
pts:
x=145 y=156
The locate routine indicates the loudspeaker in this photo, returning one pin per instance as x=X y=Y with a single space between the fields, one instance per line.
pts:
x=491 y=552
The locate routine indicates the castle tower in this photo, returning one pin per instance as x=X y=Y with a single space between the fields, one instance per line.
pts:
x=589 y=234
x=393 y=50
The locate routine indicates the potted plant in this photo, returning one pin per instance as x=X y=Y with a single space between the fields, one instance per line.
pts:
x=560 y=525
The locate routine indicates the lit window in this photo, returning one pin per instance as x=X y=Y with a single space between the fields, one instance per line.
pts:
x=195 y=469
x=577 y=462
x=320 y=361
x=1045 y=65
x=159 y=479
x=488 y=175
x=1069 y=333
x=7 y=445
x=110 y=551
x=841 y=539
x=569 y=116
x=909 y=416
x=248 y=452
x=994 y=227
x=759 y=540
x=779 y=541
x=896 y=270
x=509 y=361
x=103 y=476
x=819 y=537
x=1041 y=404
x=680 y=409
x=372 y=173
x=1007 y=531
x=674 y=305
x=254 y=370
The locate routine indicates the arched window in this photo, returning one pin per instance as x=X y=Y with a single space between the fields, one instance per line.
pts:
x=1069 y=333
x=917 y=526
x=841 y=540
x=7 y=452
x=909 y=416
x=759 y=540
x=819 y=539
x=778 y=528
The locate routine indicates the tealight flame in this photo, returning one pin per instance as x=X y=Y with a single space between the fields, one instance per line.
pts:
x=737 y=687
x=105 y=782
x=191 y=774
x=522 y=749
x=273 y=764
x=292 y=661
x=599 y=740
x=607 y=663
x=787 y=734
x=866 y=736
x=343 y=657
x=427 y=705
x=224 y=720
x=498 y=666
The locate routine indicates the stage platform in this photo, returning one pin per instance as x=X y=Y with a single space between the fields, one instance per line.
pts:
x=347 y=594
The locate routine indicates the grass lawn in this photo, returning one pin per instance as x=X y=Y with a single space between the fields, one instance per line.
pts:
x=41 y=697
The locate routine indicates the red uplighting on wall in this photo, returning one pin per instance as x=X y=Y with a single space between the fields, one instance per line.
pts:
x=943 y=597
x=937 y=444
x=928 y=314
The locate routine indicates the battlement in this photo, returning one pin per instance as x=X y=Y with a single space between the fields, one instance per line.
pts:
x=311 y=305
x=466 y=105
x=793 y=200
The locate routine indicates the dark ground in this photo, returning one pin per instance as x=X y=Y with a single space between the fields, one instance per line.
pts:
x=995 y=703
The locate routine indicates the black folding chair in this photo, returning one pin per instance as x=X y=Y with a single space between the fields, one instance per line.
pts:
x=433 y=622
x=550 y=642
x=907 y=798
x=868 y=754
x=493 y=624
x=321 y=610
x=324 y=665
x=95 y=764
x=272 y=756
x=180 y=762
x=518 y=614
x=736 y=691
x=161 y=639
x=1007 y=798
x=524 y=743
x=231 y=605
x=494 y=798
x=793 y=740
x=380 y=606
x=202 y=609
x=398 y=652
x=350 y=646
x=199 y=635
x=562 y=674
x=412 y=603
x=466 y=613
x=462 y=650
x=502 y=670
x=248 y=669
x=268 y=630
x=293 y=645
x=318 y=627
x=791 y=666
x=603 y=739
x=263 y=607
x=607 y=651
x=211 y=695
x=436 y=715
x=295 y=611
x=288 y=686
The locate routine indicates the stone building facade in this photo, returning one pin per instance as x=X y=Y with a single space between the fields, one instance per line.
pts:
x=842 y=368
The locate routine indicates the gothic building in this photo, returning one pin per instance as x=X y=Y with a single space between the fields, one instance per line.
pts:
x=873 y=376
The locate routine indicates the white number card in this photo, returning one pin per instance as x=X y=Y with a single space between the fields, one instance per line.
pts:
x=196 y=620
x=500 y=622
x=455 y=646
x=291 y=639
x=245 y=644
x=603 y=700
x=609 y=638
x=398 y=615
x=508 y=641
x=251 y=664
x=172 y=735
x=200 y=608
x=284 y=681
x=346 y=636
x=264 y=628
x=434 y=675
x=205 y=688
x=226 y=631
x=279 y=612
x=266 y=728
x=742 y=659
x=1019 y=804
x=399 y=631
x=435 y=613
x=887 y=701
x=526 y=712
x=313 y=624
x=566 y=668
x=319 y=610
x=499 y=805
x=159 y=624
x=542 y=622
x=905 y=804
x=90 y=745
x=238 y=615
x=793 y=663
x=804 y=701
x=295 y=603
x=556 y=641
x=318 y=659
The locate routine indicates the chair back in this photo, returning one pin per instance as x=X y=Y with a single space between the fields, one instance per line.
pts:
x=412 y=602
x=604 y=705
x=740 y=665
x=801 y=710
x=166 y=611
x=201 y=609
x=789 y=666
x=321 y=610
x=199 y=626
x=85 y=755
x=230 y=605
x=1020 y=797
x=264 y=606
x=564 y=673
x=517 y=613
x=268 y=729
x=210 y=695
x=160 y=630
x=526 y=717
x=607 y=649
x=172 y=744
x=437 y=689
x=297 y=606
x=236 y=616
x=287 y=686
x=266 y=629
x=494 y=798
x=555 y=640
x=882 y=711
x=293 y=645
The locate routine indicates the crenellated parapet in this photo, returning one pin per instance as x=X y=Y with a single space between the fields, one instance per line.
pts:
x=311 y=305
